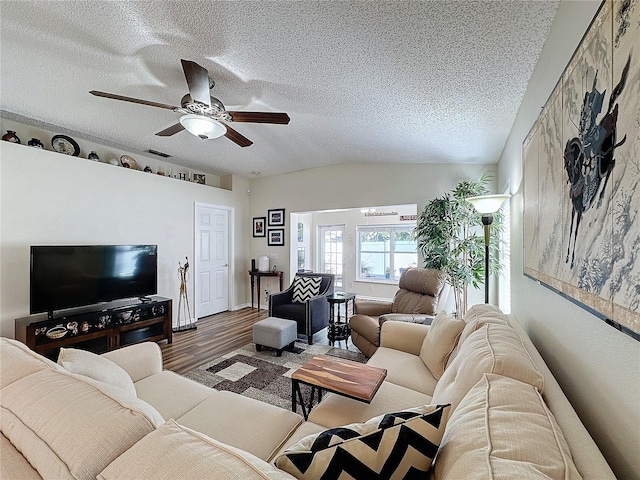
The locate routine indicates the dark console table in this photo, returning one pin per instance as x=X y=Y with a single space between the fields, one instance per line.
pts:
x=98 y=329
x=256 y=274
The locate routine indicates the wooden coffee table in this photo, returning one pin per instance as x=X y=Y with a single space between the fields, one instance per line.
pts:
x=344 y=377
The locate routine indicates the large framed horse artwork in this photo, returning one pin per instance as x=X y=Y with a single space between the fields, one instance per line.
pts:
x=581 y=164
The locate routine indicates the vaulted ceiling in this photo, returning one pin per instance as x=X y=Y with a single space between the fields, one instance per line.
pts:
x=362 y=81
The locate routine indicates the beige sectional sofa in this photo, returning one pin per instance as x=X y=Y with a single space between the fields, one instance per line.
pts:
x=83 y=419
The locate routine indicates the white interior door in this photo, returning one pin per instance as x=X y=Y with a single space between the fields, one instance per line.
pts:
x=212 y=260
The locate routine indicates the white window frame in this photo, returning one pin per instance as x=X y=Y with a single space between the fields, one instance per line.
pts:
x=391 y=228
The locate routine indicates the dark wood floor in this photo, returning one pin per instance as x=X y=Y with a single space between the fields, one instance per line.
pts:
x=216 y=335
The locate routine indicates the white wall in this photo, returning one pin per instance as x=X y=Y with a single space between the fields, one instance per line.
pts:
x=49 y=198
x=352 y=186
x=596 y=365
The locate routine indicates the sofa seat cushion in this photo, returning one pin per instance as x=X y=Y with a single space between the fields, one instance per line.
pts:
x=18 y=361
x=502 y=429
x=439 y=342
x=304 y=429
x=336 y=410
x=173 y=452
x=13 y=465
x=404 y=369
x=391 y=446
x=55 y=420
x=252 y=425
x=82 y=362
x=493 y=348
x=171 y=394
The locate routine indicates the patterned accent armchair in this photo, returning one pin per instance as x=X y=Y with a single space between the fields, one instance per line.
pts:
x=422 y=292
x=312 y=315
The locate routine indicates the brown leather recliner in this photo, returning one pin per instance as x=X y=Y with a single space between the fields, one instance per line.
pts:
x=421 y=291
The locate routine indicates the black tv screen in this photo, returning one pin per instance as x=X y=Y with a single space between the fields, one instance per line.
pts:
x=64 y=276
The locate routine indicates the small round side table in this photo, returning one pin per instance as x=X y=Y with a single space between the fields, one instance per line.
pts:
x=338 y=328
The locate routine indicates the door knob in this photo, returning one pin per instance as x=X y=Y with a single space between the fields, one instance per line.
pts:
x=225 y=265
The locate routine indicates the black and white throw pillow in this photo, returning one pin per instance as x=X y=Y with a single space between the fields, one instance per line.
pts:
x=392 y=446
x=305 y=288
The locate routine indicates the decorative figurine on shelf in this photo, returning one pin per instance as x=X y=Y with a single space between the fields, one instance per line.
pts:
x=148 y=169
x=93 y=156
x=11 y=136
x=184 y=312
x=36 y=143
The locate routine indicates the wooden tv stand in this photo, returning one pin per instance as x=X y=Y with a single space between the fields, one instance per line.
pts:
x=98 y=329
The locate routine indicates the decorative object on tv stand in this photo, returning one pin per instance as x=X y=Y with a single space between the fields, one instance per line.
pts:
x=93 y=156
x=487 y=205
x=11 y=136
x=185 y=322
x=263 y=263
x=36 y=143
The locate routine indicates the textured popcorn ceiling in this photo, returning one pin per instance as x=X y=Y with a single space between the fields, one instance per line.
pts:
x=363 y=81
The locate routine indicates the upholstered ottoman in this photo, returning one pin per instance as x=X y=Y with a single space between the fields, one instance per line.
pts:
x=274 y=332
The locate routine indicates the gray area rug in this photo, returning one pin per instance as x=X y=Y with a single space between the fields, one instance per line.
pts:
x=263 y=375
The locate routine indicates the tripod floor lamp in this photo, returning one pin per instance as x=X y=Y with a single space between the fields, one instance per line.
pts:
x=487 y=205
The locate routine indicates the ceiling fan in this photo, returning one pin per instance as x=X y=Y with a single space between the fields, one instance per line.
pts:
x=202 y=114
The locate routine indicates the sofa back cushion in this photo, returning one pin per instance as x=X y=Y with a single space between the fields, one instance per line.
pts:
x=419 y=291
x=491 y=349
x=67 y=427
x=503 y=429
x=174 y=451
x=18 y=361
x=476 y=317
x=82 y=362
x=440 y=340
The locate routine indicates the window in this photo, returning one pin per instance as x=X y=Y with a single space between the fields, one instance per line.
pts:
x=384 y=251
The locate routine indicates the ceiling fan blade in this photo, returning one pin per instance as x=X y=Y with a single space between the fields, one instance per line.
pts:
x=173 y=129
x=131 y=99
x=260 y=117
x=198 y=81
x=237 y=137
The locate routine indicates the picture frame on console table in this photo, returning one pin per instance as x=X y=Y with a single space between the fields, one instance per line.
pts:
x=275 y=237
x=259 y=226
x=276 y=217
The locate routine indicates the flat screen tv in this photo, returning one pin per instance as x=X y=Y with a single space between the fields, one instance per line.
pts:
x=68 y=276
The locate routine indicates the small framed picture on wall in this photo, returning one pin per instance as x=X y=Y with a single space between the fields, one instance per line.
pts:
x=259 y=226
x=275 y=237
x=276 y=217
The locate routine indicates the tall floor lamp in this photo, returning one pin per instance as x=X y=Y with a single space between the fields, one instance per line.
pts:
x=487 y=205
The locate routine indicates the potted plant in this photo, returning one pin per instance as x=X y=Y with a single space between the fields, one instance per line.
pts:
x=450 y=239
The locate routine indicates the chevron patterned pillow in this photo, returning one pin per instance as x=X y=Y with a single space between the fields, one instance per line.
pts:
x=392 y=446
x=305 y=288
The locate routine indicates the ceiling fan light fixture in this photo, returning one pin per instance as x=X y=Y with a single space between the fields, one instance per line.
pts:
x=204 y=127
